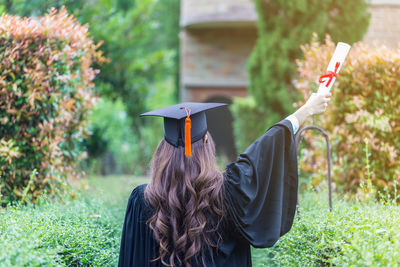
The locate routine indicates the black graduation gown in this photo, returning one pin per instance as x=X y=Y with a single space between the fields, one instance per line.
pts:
x=260 y=200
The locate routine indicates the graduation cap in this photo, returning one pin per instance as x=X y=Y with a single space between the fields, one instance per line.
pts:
x=184 y=123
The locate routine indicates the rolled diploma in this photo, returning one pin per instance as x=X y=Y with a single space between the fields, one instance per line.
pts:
x=341 y=51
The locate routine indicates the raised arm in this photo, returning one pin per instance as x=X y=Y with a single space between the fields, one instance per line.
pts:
x=317 y=103
x=261 y=186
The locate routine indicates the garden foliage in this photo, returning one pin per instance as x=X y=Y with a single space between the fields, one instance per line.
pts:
x=142 y=44
x=114 y=147
x=86 y=231
x=45 y=93
x=363 y=118
x=81 y=232
x=284 y=25
x=354 y=234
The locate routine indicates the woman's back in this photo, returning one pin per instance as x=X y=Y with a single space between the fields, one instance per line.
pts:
x=259 y=195
x=139 y=238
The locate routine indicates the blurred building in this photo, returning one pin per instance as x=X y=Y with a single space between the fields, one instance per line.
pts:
x=385 y=22
x=217 y=37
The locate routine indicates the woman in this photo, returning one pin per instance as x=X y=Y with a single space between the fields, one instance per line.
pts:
x=190 y=214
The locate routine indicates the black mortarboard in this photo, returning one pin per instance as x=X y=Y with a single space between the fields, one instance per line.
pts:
x=183 y=122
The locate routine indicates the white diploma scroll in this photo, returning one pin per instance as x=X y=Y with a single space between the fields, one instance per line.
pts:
x=337 y=60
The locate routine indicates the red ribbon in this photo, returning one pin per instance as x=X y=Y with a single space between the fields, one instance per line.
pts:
x=330 y=75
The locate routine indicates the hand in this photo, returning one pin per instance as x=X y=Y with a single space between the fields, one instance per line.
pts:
x=317 y=103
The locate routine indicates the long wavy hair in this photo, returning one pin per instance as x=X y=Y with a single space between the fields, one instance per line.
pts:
x=186 y=194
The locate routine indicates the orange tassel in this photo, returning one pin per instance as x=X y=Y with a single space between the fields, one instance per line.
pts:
x=188 y=139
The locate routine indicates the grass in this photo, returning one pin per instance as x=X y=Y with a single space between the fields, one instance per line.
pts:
x=86 y=231
x=114 y=189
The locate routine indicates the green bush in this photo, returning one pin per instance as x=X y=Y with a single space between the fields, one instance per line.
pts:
x=284 y=25
x=79 y=230
x=45 y=93
x=140 y=39
x=363 y=119
x=84 y=232
x=353 y=234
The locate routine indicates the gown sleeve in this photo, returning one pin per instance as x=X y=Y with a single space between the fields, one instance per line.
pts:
x=261 y=187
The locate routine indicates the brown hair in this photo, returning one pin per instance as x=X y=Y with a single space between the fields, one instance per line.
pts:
x=186 y=194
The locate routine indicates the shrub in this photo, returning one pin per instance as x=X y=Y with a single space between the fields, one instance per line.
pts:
x=141 y=40
x=84 y=230
x=284 y=25
x=353 y=234
x=72 y=232
x=45 y=93
x=363 y=119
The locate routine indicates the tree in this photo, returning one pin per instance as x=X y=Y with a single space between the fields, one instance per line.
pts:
x=131 y=42
x=284 y=25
